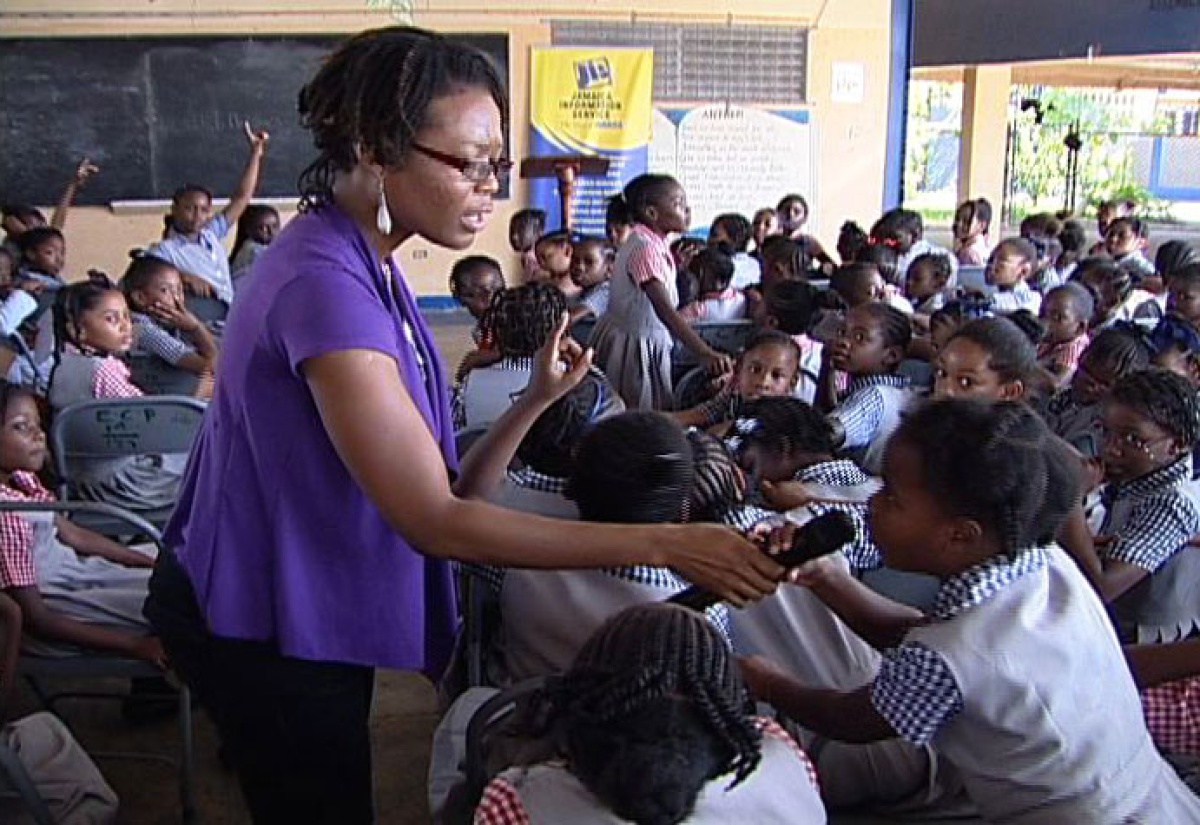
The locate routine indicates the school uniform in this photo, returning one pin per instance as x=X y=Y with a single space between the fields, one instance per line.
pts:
x=1019 y=682
x=924 y=247
x=792 y=627
x=1136 y=263
x=139 y=483
x=242 y=262
x=632 y=345
x=1140 y=307
x=747 y=271
x=930 y=305
x=870 y=413
x=596 y=299
x=1062 y=357
x=976 y=253
x=204 y=257
x=810 y=368
x=88 y=589
x=487 y=392
x=782 y=788
x=726 y=305
x=1151 y=520
x=149 y=336
x=1021 y=296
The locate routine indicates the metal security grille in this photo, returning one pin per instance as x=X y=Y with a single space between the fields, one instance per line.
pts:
x=739 y=64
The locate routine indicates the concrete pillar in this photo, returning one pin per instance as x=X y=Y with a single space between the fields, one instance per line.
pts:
x=984 y=133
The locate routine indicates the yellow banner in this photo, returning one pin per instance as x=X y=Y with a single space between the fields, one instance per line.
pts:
x=591 y=101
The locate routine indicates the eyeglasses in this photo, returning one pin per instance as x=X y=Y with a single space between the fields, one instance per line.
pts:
x=476 y=171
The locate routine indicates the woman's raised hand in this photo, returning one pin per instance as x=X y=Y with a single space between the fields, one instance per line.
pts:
x=559 y=366
x=721 y=561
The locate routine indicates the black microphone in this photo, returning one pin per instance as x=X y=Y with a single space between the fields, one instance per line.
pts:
x=819 y=537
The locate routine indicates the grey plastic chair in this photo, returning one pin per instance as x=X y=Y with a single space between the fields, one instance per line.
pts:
x=15 y=781
x=157 y=377
x=582 y=330
x=38 y=670
x=114 y=428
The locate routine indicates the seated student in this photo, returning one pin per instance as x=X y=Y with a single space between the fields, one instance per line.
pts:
x=591 y=270
x=256 y=228
x=885 y=259
x=763 y=225
x=1015 y=679
x=852 y=238
x=903 y=230
x=1075 y=414
x=716 y=300
x=1073 y=240
x=972 y=223
x=17 y=219
x=926 y=286
x=1126 y=240
x=1108 y=211
x=790 y=307
x=618 y=221
x=44 y=256
x=1147 y=572
x=524 y=229
x=76 y=588
x=792 y=212
x=554 y=251
x=852 y=285
x=730 y=233
x=1012 y=263
x=92 y=330
x=650 y=724
x=1117 y=299
x=633 y=468
x=162 y=324
x=874 y=340
x=474 y=281
x=522 y=319
x=768 y=366
x=1175 y=344
x=781 y=260
x=193 y=238
x=1183 y=293
x=1066 y=312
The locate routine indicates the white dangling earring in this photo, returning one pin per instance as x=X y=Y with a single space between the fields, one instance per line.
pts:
x=383 y=217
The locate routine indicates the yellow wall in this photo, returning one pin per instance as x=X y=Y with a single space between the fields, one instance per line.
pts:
x=851 y=136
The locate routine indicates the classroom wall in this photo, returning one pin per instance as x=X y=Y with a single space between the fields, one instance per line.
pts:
x=851 y=136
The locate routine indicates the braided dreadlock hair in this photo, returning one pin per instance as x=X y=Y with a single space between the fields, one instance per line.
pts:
x=374 y=95
x=549 y=446
x=633 y=468
x=1167 y=399
x=783 y=426
x=523 y=317
x=718 y=485
x=651 y=710
x=792 y=256
x=997 y=464
x=894 y=324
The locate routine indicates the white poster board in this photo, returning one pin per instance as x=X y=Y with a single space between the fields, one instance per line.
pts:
x=734 y=158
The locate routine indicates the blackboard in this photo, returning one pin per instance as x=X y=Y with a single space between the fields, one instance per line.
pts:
x=155 y=113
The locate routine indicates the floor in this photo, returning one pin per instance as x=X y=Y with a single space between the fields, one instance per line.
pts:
x=403 y=720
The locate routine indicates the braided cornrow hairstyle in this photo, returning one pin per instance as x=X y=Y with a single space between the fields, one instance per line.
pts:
x=1011 y=354
x=894 y=324
x=1167 y=399
x=718 y=485
x=140 y=274
x=793 y=256
x=997 y=464
x=70 y=303
x=374 y=93
x=633 y=468
x=523 y=317
x=651 y=710
x=883 y=258
x=783 y=426
x=645 y=191
x=1122 y=350
x=549 y=446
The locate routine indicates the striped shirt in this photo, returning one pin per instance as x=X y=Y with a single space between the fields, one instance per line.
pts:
x=864 y=407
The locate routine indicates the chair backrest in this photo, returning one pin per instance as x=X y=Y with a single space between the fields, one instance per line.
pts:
x=484 y=725
x=157 y=377
x=973 y=279
x=118 y=427
x=725 y=336
x=582 y=329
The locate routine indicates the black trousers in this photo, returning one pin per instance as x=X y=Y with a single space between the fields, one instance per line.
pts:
x=295 y=732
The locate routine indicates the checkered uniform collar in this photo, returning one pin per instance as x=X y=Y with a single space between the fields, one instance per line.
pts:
x=533 y=480
x=840 y=473
x=977 y=584
x=24 y=486
x=1162 y=479
x=890 y=380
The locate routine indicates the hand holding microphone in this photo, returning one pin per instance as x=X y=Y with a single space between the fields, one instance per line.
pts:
x=820 y=537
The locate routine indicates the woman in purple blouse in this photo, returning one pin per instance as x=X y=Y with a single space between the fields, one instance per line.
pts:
x=316 y=518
